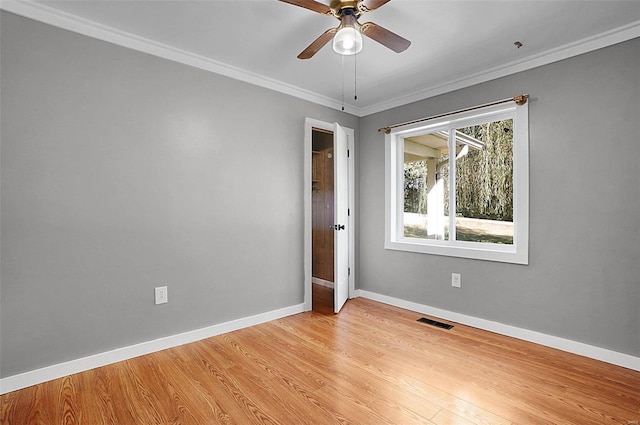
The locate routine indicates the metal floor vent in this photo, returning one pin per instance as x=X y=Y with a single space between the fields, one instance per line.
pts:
x=434 y=323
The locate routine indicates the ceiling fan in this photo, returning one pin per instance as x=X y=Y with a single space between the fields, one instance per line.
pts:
x=347 y=37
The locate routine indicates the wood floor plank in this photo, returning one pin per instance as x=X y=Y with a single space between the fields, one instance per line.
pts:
x=67 y=401
x=285 y=388
x=370 y=364
x=98 y=400
x=221 y=388
x=324 y=364
x=385 y=398
x=446 y=417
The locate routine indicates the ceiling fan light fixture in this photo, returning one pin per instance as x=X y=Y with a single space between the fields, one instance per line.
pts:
x=348 y=39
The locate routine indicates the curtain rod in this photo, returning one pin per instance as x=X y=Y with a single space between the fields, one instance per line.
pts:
x=519 y=100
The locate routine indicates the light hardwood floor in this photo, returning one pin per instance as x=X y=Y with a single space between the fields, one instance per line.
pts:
x=371 y=364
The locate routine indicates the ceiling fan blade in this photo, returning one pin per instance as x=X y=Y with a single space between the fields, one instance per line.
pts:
x=385 y=37
x=311 y=5
x=369 y=5
x=317 y=44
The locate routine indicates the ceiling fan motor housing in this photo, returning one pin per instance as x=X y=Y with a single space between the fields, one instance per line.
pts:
x=348 y=19
x=338 y=6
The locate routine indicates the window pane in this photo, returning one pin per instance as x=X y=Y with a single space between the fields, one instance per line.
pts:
x=426 y=186
x=484 y=183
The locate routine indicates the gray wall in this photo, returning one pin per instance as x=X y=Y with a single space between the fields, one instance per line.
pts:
x=583 y=279
x=120 y=172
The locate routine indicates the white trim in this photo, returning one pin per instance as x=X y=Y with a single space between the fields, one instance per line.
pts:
x=309 y=124
x=67 y=21
x=55 y=17
x=593 y=352
x=322 y=282
x=579 y=47
x=518 y=252
x=34 y=377
x=352 y=217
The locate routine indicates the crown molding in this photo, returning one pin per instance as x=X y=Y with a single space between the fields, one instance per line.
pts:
x=57 y=18
x=566 y=51
x=73 y=23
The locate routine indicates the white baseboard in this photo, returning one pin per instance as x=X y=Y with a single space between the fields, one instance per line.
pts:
x=34 y=377
x=322 y=282
x=597 y=353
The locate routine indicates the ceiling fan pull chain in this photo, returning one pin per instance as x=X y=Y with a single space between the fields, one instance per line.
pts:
x=342 y=59
x=355 y=77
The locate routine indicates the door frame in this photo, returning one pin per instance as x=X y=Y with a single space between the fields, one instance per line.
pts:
x=309 y=124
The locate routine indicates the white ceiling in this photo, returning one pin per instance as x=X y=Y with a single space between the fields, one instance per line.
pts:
x=454 y=43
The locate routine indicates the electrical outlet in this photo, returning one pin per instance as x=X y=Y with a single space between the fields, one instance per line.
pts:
x=162 y=295
x=456 y=280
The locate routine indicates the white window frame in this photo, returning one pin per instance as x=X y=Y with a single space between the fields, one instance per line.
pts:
x=518 y=252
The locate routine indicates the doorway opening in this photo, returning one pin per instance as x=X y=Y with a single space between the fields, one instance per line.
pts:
x=329 y=214
x=322 y=212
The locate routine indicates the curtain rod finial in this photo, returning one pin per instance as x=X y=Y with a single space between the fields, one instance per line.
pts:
x=521 y=100
x=385 y=130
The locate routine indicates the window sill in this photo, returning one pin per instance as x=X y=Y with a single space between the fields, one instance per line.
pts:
x=471 y=250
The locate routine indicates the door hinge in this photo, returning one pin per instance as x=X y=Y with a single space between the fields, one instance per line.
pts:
x=349 y=212
x=348 y=153
x=349 y=271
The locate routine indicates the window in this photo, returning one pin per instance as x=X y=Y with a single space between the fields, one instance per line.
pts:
x=459 y=185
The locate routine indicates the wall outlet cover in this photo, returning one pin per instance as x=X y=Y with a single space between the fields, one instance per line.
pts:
x=162 y=295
